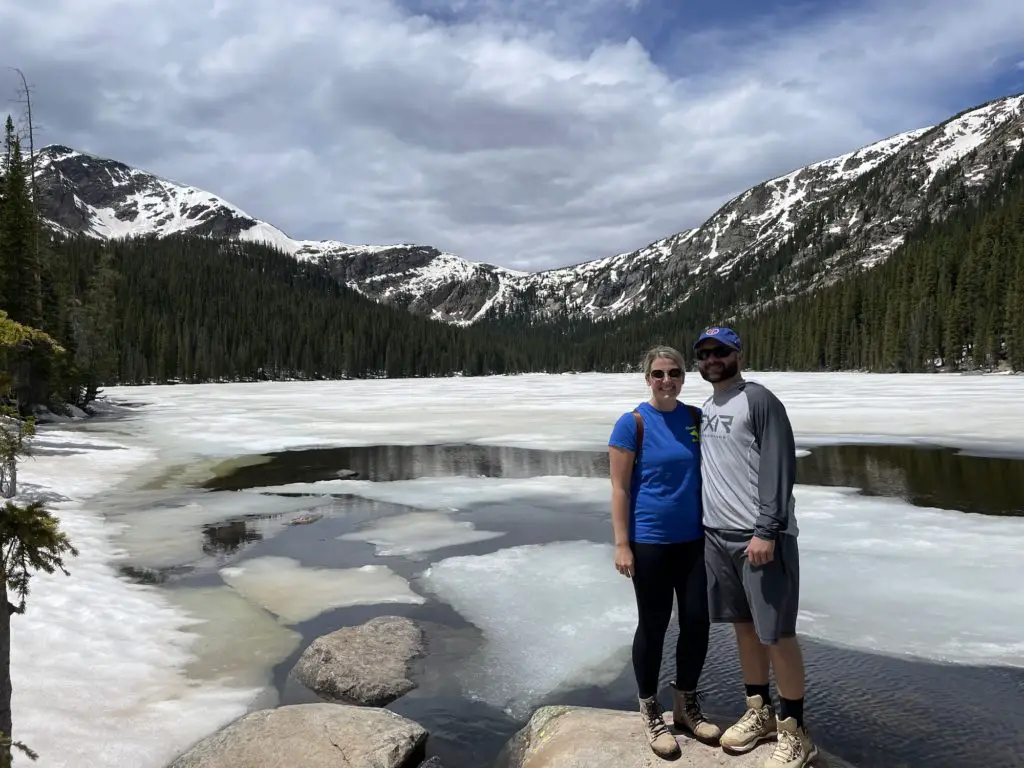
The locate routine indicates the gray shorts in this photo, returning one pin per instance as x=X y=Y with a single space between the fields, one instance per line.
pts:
x=768 y=595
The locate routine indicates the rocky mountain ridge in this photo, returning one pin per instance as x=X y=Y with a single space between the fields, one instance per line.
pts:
x=856 y=208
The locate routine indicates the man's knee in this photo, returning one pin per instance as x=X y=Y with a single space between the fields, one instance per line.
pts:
x=786 y=653
x=771 y=639
x=746 y=631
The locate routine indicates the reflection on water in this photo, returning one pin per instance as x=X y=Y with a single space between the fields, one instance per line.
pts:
x=927 y=477
x=229 y=537
x=144 y=575
x=384 y=463
x=935 y=477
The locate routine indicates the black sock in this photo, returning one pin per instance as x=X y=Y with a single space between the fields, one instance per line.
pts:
x=759 y=690
x=793 y=708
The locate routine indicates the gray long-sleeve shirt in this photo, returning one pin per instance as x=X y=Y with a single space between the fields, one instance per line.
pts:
x=748 y=462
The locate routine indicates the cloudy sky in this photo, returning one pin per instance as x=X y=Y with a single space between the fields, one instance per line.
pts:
x=527 y=133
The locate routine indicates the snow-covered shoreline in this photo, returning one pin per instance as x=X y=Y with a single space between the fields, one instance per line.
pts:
x=102 y=694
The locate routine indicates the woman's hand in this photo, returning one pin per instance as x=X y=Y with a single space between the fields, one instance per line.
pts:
x=624 y=560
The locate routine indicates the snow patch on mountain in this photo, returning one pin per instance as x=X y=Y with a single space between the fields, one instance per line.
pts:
x=966 y=133
x=103 y=198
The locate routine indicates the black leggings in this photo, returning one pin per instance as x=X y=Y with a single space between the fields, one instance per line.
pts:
x=659 y=571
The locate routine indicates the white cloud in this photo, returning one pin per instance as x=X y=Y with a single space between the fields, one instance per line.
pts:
x=511 y=137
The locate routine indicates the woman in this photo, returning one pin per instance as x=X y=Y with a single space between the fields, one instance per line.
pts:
x=654 y=453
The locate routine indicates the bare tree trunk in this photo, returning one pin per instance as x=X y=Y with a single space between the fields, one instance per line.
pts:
x=6 y=688
x=26 y=93
x=9 y=430
x=8 y=477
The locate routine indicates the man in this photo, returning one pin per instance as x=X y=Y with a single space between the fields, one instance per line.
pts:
x=753 y=563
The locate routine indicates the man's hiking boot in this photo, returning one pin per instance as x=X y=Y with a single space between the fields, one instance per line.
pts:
x=687 y=716
x=757 y=724
x=662 y=742
x=794 y=749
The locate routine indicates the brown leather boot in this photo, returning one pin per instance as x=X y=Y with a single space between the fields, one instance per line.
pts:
x=687 y=716
x=662 y=742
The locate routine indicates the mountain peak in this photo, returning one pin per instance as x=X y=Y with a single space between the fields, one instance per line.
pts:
x=102 y=198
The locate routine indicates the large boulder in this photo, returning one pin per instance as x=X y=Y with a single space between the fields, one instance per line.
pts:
x=585 y=737
x=311 y=736
x=368 y=664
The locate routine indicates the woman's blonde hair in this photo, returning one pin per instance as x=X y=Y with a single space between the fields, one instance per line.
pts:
x=654 y=353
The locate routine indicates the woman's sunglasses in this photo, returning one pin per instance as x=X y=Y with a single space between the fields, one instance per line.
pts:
x=673 y=373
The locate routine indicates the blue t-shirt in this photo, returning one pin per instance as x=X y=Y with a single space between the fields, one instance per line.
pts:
x=665 y=490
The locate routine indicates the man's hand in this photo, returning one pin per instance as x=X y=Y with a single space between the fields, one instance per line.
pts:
x=760 y=551
x=624 y=560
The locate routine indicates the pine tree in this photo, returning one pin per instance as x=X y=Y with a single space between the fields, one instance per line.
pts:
x=21 y=292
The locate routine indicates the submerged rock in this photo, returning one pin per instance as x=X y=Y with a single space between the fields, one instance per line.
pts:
x=584 y=737
x=368 y=664
x=306 y=519
x=311 y=736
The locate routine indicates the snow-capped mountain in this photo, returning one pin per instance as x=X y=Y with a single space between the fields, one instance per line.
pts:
x=865 y=201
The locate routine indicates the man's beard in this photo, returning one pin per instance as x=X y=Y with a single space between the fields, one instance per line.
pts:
x=727 y=371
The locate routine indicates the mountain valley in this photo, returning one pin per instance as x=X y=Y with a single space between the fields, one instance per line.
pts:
x=847 y=212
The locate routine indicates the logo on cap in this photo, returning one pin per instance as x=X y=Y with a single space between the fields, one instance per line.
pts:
x=723 y=334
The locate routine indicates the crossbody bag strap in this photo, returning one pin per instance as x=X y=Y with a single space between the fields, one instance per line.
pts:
x=639 y=436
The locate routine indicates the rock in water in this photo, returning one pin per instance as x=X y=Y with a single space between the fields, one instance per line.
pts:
x=584 y=737
x=312 y=517
x=311 y=736
x=368 y=664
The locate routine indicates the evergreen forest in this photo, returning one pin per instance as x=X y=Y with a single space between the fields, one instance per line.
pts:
x=951 y=298
x=77 y=314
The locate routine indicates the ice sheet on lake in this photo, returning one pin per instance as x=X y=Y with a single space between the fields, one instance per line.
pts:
x=98 y=663
x=884 y=575
x=236 y=641
x=552 y=615
x=554 y=411
x=295 y=593
x=417 y=533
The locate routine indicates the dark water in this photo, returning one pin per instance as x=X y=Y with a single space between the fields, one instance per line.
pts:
x=927 y=477
x=872 y=710
x=923 y=476
x=385 y=463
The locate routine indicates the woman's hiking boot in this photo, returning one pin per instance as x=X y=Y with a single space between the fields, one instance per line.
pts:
x=662 y=742
x=688 y=716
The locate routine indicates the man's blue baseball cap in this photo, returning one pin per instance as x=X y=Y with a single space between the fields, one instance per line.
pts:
x=720 y=333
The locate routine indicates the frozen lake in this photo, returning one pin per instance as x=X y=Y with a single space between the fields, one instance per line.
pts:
x=475 y=497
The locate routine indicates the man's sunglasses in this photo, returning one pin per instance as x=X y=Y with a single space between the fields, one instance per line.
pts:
x=720 y=352
x=673 y=373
